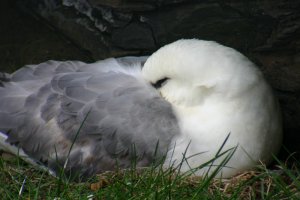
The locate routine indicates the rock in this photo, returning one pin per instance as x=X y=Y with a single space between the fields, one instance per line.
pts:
x=141 y=39
x=27 y=40
x=267 y=31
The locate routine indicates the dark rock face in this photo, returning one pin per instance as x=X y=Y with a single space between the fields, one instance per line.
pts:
x=27 y=40
x=267 y=31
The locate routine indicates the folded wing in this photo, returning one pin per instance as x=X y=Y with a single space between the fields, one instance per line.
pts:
x=108 y=116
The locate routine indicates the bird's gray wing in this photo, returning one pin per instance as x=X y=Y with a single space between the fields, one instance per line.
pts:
x=121 y=118
x=18 y=90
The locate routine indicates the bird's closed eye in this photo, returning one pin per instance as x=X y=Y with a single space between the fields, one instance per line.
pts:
x=160 y=82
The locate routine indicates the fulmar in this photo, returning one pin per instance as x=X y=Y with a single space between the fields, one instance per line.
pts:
x=182 y=104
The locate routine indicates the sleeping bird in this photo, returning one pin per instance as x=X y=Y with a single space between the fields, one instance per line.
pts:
x=190 y=103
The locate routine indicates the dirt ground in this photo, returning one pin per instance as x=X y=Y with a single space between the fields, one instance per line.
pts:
x=25 y=39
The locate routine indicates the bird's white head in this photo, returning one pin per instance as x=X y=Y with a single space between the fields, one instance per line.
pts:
x=191 y=70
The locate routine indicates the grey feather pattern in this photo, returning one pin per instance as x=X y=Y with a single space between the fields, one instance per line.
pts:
x=42 y=107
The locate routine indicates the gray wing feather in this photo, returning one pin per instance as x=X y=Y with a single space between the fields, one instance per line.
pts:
x=120 y=111
x=46 y=69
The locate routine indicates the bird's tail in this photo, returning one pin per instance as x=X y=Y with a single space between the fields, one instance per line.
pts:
x=9 y=148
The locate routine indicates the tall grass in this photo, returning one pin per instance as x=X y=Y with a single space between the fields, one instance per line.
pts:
x=18 y=180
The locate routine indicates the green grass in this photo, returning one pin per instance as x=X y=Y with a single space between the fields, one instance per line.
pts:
x=282 y=182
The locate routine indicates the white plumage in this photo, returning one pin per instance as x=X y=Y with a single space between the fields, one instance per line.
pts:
x=215 y=91
x=206 y=91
